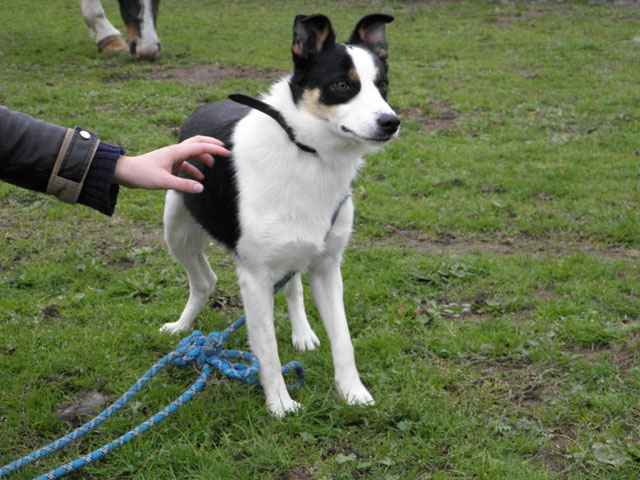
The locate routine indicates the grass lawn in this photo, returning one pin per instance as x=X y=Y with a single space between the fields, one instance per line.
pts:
x=492 y=284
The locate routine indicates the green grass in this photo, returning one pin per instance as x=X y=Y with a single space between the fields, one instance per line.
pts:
x=492 y=283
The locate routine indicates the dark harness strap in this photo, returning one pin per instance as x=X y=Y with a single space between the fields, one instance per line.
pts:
x=273 y=113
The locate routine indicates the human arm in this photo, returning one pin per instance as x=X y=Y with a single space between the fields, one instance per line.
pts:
x=44 y=157
x=76 y=167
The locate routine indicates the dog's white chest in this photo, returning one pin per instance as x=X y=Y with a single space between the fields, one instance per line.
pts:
x=285 y=240
x=286 y=202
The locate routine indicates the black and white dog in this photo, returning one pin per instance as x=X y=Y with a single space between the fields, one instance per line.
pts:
x=271 y=203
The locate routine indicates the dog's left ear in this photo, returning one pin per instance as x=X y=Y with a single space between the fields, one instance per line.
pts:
x=311 y=34
x=370 y=32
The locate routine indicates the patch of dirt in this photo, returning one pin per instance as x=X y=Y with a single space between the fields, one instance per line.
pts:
x=448 y=243
x=299 y=473
x=524 y=383
x=533 y=14
x=620 y=356
x=213 y=74
x=530 y=383
x=134 y=234
x=118 y=77
x=121 y=264
x=529 y=395
x=615 y=3
x=223 y=301
x=442 y=116
x=414 y=6
x=53 y=312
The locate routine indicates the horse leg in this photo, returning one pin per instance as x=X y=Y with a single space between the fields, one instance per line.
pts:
x=106 y=36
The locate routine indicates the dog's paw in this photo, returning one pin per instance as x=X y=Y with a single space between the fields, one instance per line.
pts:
x=279 y=409
x=173 y=328
x=356 y=394
x=305 y=341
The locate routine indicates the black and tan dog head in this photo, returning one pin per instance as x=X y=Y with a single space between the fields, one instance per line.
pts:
x=344 y=84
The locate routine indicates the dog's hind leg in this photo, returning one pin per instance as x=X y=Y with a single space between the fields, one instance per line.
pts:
x=186 y=242
x=302 y=335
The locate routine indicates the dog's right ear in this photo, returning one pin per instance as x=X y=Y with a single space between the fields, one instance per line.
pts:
x=311 y=34
x=370 y=33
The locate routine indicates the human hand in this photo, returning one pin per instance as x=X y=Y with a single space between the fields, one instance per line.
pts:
x=157 y=170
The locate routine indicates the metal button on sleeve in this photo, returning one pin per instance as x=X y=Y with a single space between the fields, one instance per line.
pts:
x=84 y=134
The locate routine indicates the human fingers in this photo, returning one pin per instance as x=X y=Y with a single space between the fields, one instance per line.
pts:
x=192 y=171
x=203 y=139
x=183 y=184
x=184 y=151
x=206 y=159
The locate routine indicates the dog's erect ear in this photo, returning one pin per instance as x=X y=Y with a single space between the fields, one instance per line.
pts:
x=311 y=34
x=370 y=33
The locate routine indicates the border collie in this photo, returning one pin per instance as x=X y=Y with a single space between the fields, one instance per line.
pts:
x=273 y=202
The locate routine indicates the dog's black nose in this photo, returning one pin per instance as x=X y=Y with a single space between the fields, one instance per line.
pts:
x=388 y=123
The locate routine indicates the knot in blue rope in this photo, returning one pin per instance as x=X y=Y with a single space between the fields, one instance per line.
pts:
x=209 y=350
x=198 y=348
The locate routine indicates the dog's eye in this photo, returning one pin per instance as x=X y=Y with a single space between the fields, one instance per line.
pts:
x=342 y=86
x=383 y=86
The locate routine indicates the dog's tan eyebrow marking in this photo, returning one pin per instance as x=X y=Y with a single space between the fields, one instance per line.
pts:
x=353 y=74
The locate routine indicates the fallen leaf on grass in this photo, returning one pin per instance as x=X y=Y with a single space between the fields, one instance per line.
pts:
x=307 y=437
x=610 y=454
x=405 y=426
x=342 y=458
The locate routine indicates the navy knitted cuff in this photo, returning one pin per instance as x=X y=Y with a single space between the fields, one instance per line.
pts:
x=99 y=191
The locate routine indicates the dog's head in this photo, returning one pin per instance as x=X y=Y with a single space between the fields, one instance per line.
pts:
x=344 y=84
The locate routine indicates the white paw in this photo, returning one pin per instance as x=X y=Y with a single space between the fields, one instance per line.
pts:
x=305 y=341
x=280 y=408
x=173 y=328
x=356 y=394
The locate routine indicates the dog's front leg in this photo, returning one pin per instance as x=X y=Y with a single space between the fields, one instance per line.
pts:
x=326 y=285
x=257 y=296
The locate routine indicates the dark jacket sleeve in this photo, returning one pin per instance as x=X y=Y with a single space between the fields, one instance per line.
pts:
x=71 y=164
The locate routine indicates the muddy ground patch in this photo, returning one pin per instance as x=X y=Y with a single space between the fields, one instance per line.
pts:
x=214 y=73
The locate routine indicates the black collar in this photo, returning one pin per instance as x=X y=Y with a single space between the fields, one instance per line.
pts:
x=273 y=113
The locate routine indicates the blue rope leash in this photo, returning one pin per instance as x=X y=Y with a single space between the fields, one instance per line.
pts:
x=205 y=352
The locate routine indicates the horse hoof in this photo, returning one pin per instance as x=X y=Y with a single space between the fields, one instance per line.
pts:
x=113 y=43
